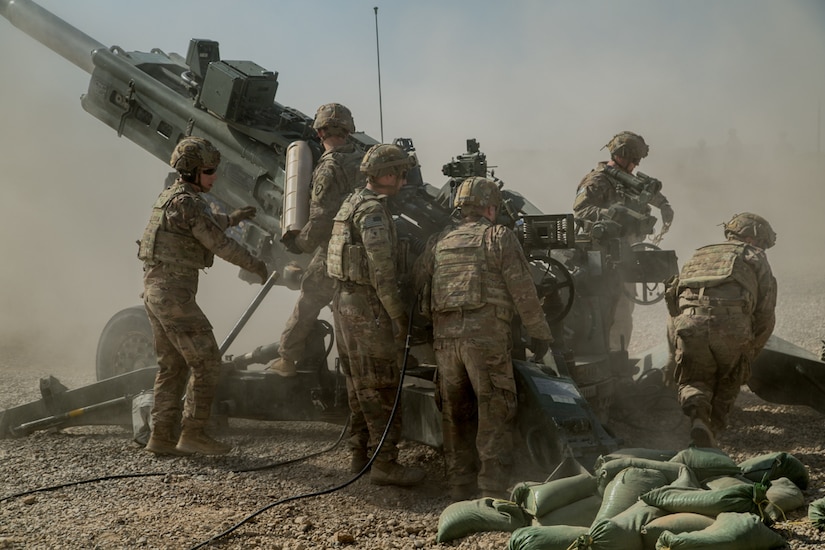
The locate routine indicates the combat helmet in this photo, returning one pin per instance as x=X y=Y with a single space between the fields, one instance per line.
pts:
x=477 y=192
x=628 y=145
x=334 y=115
x=192 y=153
x=384 y=158
x=751 y=225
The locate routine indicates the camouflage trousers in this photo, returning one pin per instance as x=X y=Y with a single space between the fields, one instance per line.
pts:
x=316 y=293
x=367 y=350
x=478 y=407
x=188 y=357
x=712 y=355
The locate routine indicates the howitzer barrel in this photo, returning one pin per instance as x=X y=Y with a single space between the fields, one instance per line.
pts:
x=51 y=31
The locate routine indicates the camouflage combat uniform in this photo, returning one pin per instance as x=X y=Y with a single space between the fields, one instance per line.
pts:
x=596 y=193
x=335 y=176
x=723 y=318
x=182 y=237
x=363 y=257
x=479 y=280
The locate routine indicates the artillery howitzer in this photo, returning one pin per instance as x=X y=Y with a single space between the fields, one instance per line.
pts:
x=154 y=99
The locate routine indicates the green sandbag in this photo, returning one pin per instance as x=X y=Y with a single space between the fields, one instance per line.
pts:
x=683 y=522
x=553 y=537
x=538 y=500
x=621 y=532
x=783 y=497
x=608 y=470
x=625 y=489
x=474 y=516
x=786 y=465
x=580 y=513
x=634 y=452
x=739 y=498
x=816 y=513
x=706 y=462
x=720 y=482
x=730 y=531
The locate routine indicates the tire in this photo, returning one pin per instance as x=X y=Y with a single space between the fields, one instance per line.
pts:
x=126 y=344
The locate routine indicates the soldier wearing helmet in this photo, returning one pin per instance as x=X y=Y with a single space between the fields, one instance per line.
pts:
x=599 y=199
x=722 y=314
x=334 y=177
x=182 y=237
x=475 y=279
x=370 y=316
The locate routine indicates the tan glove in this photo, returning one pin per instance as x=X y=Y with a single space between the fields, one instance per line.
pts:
x=241 y=214
x=260 y=270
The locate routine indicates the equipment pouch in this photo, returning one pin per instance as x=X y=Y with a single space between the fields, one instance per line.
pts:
x=354 y=264
x=672 y=295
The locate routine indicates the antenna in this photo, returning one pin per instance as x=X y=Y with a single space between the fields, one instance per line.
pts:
x=378 y=59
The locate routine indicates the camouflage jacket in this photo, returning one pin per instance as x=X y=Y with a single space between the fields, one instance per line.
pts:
x=728 y=274
x=505 y=264
x=188 y=220
x=336 y=175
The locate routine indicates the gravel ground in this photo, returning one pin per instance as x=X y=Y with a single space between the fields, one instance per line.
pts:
x=184 y=502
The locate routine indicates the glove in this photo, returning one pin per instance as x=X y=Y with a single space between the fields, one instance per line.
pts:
x=260 y=270
x=242 y=214
x=289 y=240
x=540 y=349
x=667 y=214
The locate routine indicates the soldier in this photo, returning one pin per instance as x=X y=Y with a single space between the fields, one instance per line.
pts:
x=598 y=198
x=369 y=313
x=722 y=314
x=335 y=176
x=182 y=236
x=477 y=279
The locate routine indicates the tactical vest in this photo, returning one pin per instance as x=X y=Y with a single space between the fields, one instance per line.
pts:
x=717 y=264
x=463 y=278
x=161 y=245
x=346 y=259
x=347 y=166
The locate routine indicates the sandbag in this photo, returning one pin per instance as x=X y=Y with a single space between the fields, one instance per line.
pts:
x=554 y=537
x=580 y=513
x=635 y=452
x=706 y=462
x=621 y=532
x=783 y=497
x=625 y=488
x=730 y=531
x=475 y=516
x=777 y=465
x=816 y=513
x=739 y=498
x=683 y=522
x=720 y=482
x=608 y=470
x=540 y=499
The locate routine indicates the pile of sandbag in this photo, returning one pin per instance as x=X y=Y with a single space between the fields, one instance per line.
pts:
x=643 y=499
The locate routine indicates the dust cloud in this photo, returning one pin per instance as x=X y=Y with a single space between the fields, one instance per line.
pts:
x=732 y=119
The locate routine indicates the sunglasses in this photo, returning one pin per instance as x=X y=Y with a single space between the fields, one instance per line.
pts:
x=209 y=171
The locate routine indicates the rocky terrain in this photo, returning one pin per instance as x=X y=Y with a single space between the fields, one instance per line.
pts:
x=147 y=502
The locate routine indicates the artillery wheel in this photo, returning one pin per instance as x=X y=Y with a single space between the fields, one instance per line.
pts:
x=126 y=344
x=563 y=287
x=645 y=293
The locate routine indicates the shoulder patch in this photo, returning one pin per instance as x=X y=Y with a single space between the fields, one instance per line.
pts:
x=373 y=220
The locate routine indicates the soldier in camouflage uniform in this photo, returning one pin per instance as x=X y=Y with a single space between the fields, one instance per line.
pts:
x=477 y=279
x=336 y=175
x=182 y=237
x=722 y=314
x=369 y=313
x=597 y=198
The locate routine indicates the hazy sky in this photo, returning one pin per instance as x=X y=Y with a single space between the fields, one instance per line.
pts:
x=541 y=84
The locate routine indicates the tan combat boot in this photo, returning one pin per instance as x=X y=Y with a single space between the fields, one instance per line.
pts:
x=283 y=367
x=700 y=434
x=358 y=460
x=195 y=440
x=163 y=442
x=393 y=473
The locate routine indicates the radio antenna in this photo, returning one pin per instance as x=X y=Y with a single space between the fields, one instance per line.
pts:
x=378 y=59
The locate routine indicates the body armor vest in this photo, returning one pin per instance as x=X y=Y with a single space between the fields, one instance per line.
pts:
x=346 y=259
x=717 y=264
x=463 y=278
x=161 y=245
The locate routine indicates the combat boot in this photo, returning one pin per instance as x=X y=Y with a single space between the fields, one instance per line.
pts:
x=465 y=491
x=700 y=434
x=163 y=442
x=283 y=367
x=393 y=473
x=358 y=460
x=195 y=440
